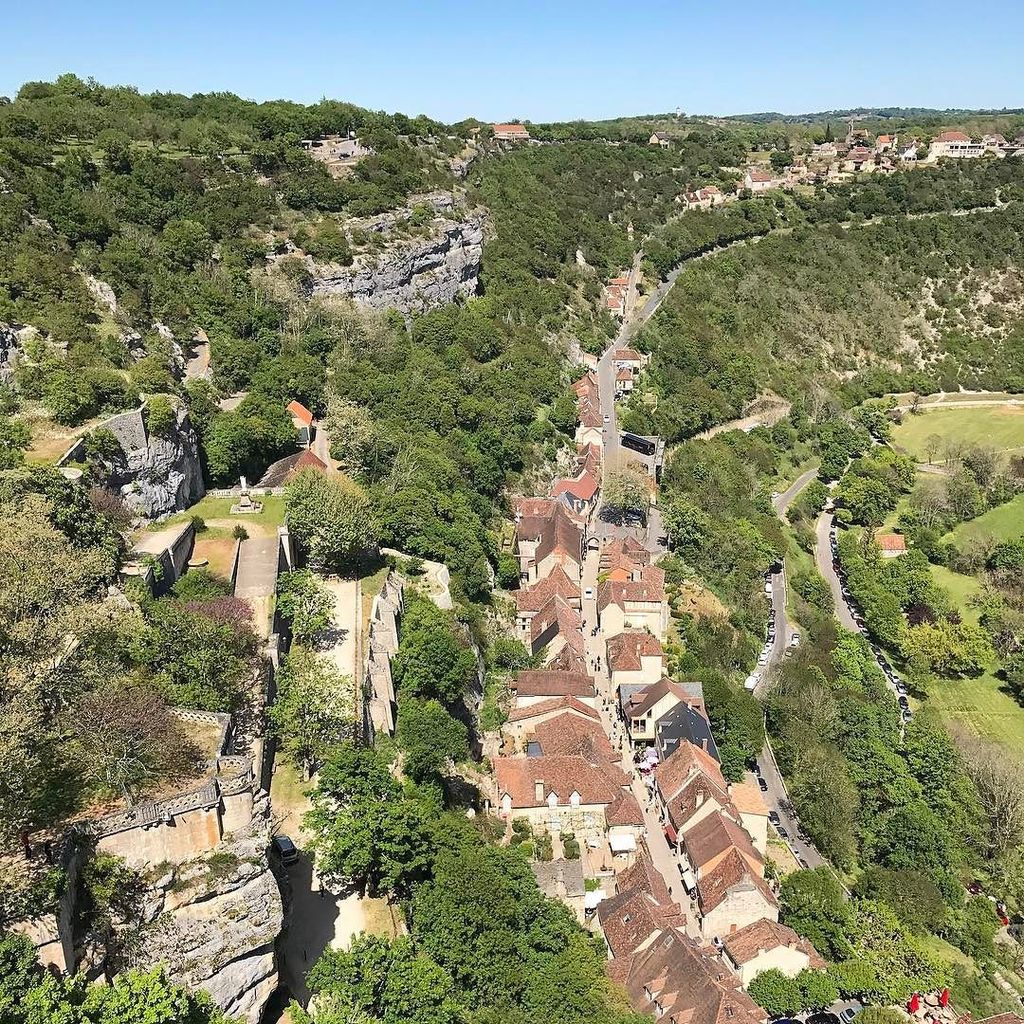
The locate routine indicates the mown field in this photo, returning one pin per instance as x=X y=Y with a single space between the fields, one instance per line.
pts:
x=1001 y=426
x=980 y=704
x=1004 y=522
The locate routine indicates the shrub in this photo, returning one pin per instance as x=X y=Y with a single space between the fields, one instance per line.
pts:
x=160 y=415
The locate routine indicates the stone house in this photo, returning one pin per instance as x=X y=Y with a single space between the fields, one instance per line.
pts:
x=546 y=540
x=733 y=895
x=302 y=420
x=954 y=145
x=635 y=658
x=757 y=179
x=637 y=603
x=510 y=133
x=524 y=719
x=645 y=707
x=555 y=626
x=767 y=945
x=530 y=600
x=578 y=493
x=557 y=793
x=532 y=686
x=892 y=545
x=659 y=139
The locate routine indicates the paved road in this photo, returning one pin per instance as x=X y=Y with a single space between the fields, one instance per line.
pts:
x=823 y=559
x=784 y=499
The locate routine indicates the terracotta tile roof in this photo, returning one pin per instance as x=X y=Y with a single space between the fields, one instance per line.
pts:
x=696 y=791
x=544 y=683
x=630 y=918
x=892 y=542
x=624 y=650
x=532 y=599
x=571 y=658
x=624 y=374
x=623 y=592
x=642 y=874
x=758 y=174
x=300 y=412
x=859 y=154
x=952 y=137
x=568 y=704
x=568 y=734
x=555 y=531
x=597 y=783
x=883 y=139
x=625 y=355
x=685 y=761
x=587 y=384
x=583 y=487
x=280 y=472
x=763 y=936
x=588 y=459
x=732 y=872
x=557 y=613
x=641 y=701
x=510 y=129
x=680 y=983
x=624 y=810
x=626 y=552
x=716 y=834
x=590 y=414
x=534 y=508
x=747 y=799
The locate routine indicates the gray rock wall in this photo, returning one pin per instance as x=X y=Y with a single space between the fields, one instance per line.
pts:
x=156 y=474
x=416 y=276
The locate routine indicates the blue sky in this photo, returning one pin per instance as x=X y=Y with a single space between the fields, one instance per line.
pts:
x=543 y=61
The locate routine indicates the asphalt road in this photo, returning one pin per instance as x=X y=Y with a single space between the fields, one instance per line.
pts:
x=823 y=559
x=783 y=500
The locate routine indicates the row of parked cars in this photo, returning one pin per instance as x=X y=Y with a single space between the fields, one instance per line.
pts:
x=895 y=682
x=766 y=651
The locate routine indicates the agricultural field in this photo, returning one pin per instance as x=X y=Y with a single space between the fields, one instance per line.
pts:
x=1004 y=522
x=1001 y=426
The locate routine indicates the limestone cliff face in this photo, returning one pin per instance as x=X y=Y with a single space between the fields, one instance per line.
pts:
x=412 y=275
x=156 y=473
x=213 y=922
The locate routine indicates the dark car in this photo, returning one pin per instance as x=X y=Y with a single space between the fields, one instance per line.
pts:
x=904 y=703
x=286 y=849
x=762 y=785
x=783 y=834
x=773 y=817
x=974 y=888
x=823 y=1018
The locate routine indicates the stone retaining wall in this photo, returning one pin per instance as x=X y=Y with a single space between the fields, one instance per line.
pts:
x=378 y=685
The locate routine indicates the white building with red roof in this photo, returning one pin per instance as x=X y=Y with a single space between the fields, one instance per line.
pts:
x=766 y=945
x=512 y=132
x=955 y=145
x=757 y=179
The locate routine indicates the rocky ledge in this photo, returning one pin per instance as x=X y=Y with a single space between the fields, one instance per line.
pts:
x=213 y=922
x=414 y=274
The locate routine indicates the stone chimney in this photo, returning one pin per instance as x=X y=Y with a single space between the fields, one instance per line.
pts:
x=538 y=790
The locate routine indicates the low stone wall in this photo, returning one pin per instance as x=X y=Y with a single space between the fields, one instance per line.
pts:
x=378 y=685
x=189 y=823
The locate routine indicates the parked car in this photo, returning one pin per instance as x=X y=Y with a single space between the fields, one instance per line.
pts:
x=901 y=689
x=849 y=1013
x=285 y=849
x=903 y=701
x=794 y=640
x=906 y=716
x=783 y=834
x=773 y=817
x=757 y=769
x=762 y=785
x=806 y=867
x=588 y=594
x=750 y=683
x=768 y=587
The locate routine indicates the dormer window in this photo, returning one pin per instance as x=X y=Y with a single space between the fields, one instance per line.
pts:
x=552 y=800
x=574 y=799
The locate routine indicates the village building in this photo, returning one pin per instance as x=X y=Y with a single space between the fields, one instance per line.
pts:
x=303 y=421
x=620 y=558
x=636 y=603
x=568 y=735
x=886 y=143
x=560 y=793
x=645 y=706
x=757 y=179
x=635 y=659
x=825 y=150
x=732 y=895
x=678 y=982
x=689 y=786
x=766 y=945
x=547 y=536
x=623 y=383
x=955 y=145
x=579 y=493
x=562 y=880
x=860 y=158
x=282 y=472
x=629 y=359
x=659 y=139
x=530 y=600
x=555 y=626
x=510 y=133
x=524 y=719
x=533 y=686
x=892 y=545
x=705 y=198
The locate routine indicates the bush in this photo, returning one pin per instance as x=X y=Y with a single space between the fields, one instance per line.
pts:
x=778 y=995
x=160 y=415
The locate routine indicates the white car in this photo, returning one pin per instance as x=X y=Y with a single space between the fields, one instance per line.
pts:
x=750 y=683
x=795 y=640
x=762 y=658
x=607 y=419
x=588 y=594
x=768 y=588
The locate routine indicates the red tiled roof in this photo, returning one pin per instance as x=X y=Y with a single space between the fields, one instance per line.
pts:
x=716 y=834
x=758 y=174
x=567 y=734
x=583 y=487
x=509 y=128
x=300 y=412
x=567 y=703
x=627 y=355
x=952 y=137
x=534 y=508
x=624 y=810
x=680 y=983
x=683 y=762
x=696 y=792
x=595 y=783
x=545 y=683
x=641 y=701
x=571 y=658
x=624 y=650
x=533 y=599
x=630 y=918
x=624 y=374
x=623 y=592
x=763 y=936
x=558 y=612
x=732 y=871
x=892 y=542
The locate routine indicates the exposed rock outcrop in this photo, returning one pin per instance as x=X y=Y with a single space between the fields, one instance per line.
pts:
x=156 y=473
x=12 y=344
x=213 y=922
x=412 y=274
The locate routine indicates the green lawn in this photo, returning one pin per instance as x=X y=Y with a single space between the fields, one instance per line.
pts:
x=1001 y=426
x=981 y=704
x=210 y=507
x=1004 y=522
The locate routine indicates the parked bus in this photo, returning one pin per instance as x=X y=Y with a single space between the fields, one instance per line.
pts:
x=638 y=444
